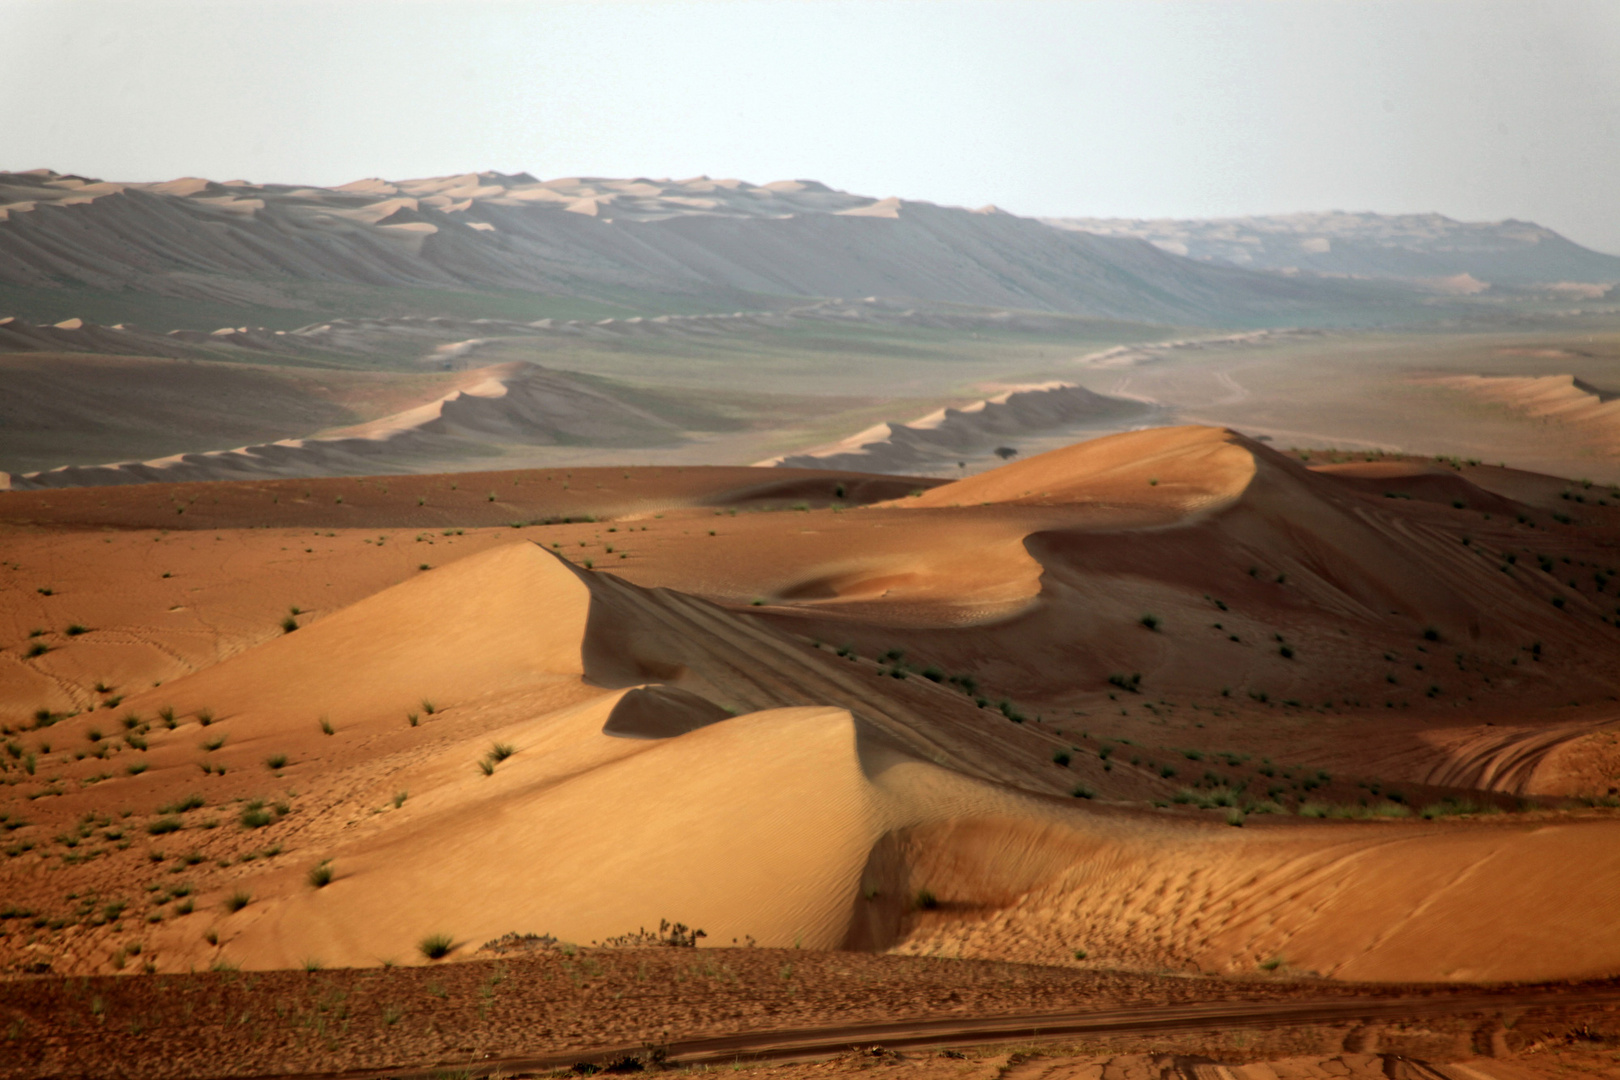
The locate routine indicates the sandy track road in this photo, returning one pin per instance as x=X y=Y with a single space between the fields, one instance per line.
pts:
x=1509 y=761
x=819 y=1043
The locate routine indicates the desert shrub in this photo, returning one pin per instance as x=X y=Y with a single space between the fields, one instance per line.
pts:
x=288 y=625
x=1130 y=683
x=256 y=817
x=926 y=900
x=164 y=825
x=276 y=761
x=1150 y=621
x=501 y=751
x=1081 y=791
x=320 y=875
x=237 y=901
x=436 y=946
x=326 y=726
x=1061 y=757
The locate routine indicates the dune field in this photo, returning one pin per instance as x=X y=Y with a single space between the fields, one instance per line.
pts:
x=1168 y=702
x=484 y=625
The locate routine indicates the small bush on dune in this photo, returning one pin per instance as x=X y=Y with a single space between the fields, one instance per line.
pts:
x=256 y=818
x=237 y=901
x=320 y=875
x=276 y=761
x=436 y=946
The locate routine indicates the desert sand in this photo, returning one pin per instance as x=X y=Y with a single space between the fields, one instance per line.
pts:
x=1165 y=702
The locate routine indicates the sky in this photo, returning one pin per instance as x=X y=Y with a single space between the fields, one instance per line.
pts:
x=1152 y=108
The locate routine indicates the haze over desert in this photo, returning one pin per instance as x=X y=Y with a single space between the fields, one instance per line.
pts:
x=955 y=542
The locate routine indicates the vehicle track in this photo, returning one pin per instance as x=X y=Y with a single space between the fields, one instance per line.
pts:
x=820 y=1043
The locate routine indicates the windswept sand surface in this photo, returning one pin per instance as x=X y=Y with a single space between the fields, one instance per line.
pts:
x=1015 y=717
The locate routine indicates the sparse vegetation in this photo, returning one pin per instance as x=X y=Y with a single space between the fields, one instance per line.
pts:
x=320 y=875
x=237 y=901
x=436 y=946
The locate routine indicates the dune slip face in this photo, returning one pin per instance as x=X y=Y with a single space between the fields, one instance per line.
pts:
x=1169 y=700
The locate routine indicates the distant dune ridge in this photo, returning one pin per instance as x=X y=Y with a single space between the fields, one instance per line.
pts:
x=507 y=403
x=721 y=240
x=1562 y=399
x=446 y=341
x=1365 y=245
x=940 y=437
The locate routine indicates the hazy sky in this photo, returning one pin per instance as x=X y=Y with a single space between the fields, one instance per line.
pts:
x=1479 y=110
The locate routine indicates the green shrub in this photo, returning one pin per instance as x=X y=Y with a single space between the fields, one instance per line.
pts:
x=255 y=817
x=164 y=825
x=320 y=875
x=237 y=901
x=436 y=946
x=276 y=761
